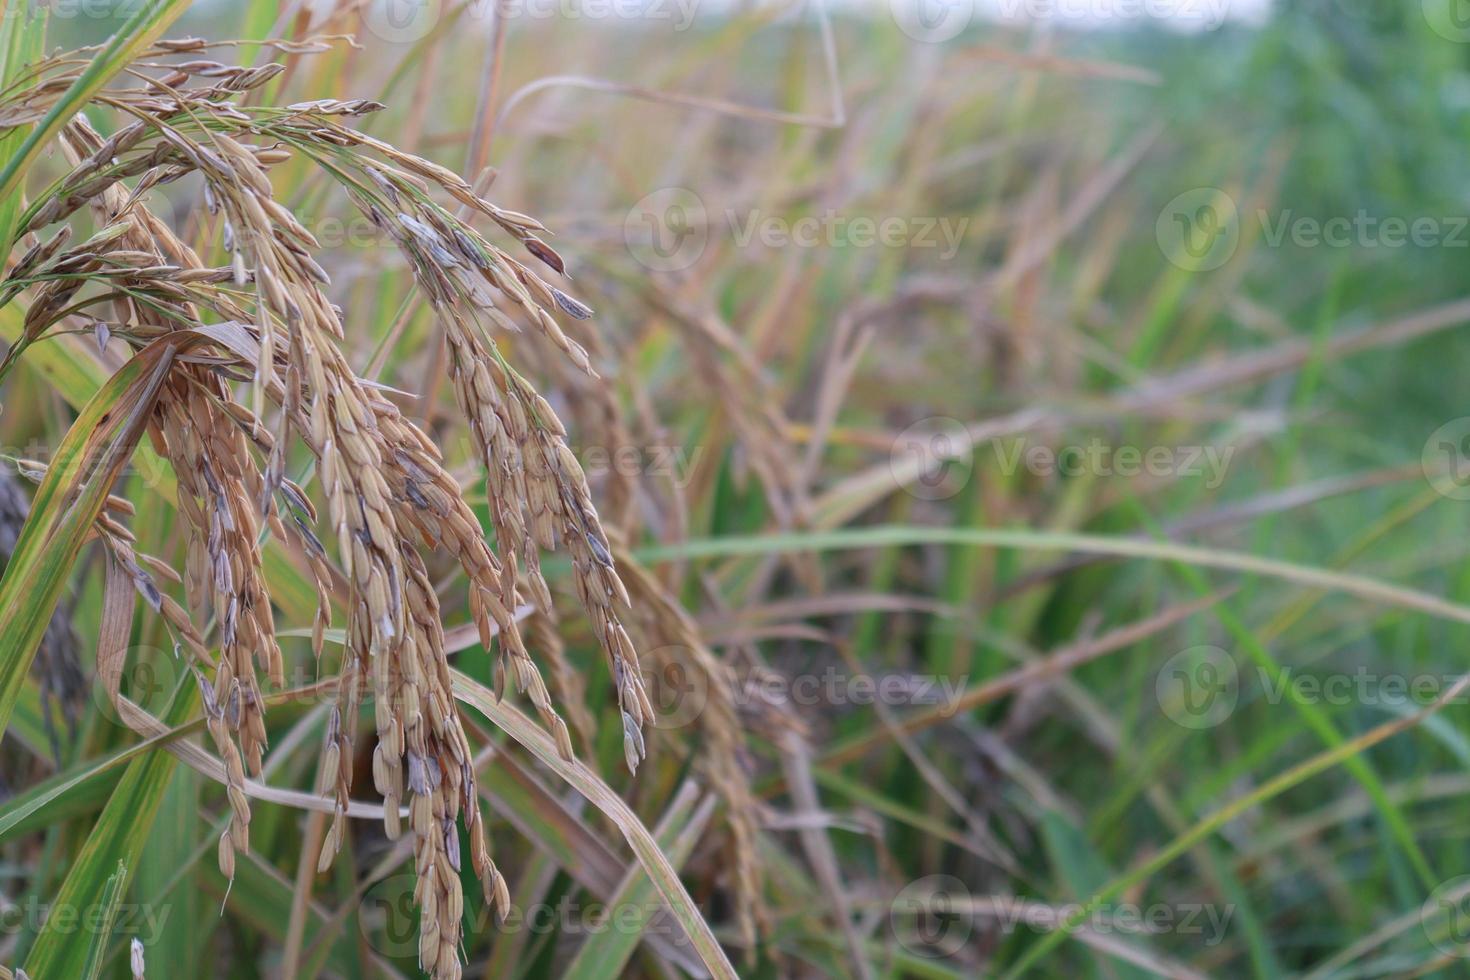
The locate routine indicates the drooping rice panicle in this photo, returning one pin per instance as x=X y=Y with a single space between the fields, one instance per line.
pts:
x=385 y=490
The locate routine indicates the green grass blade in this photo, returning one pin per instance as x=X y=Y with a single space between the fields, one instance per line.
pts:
x=77 y=790
x=665 y=879
x=118 y=836
x=632 y=906
x=140 y=30
x=91 y=456
x=1271 y=789
x=1119 y=547
x=22 y=41
x=73 y=367
x=1314 y=715
x=111 y=898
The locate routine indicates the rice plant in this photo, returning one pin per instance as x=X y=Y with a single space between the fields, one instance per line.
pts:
x=228 y=365
x=922 y=496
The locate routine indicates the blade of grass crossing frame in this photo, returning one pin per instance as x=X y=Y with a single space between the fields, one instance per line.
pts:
x=172 y=839
x=887 y=536
x=139 y=31
x=118 y=835
x=22 y=41
x=72 y=367
x=112 y=893
x=1272 y=788
x=89 y=459
x=665 y=879
x=126 y=823
x=81 y=789
x=1312 y=713
x=635 y=903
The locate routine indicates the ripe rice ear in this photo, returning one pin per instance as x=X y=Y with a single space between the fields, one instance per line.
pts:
x=385 y=493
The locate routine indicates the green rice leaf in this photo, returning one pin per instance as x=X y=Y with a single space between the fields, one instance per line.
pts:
x=89 y=460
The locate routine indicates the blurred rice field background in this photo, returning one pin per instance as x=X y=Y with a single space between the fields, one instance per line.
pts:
x=1050 y=424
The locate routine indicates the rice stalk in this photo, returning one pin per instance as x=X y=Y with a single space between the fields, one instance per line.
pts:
x=384 y=486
